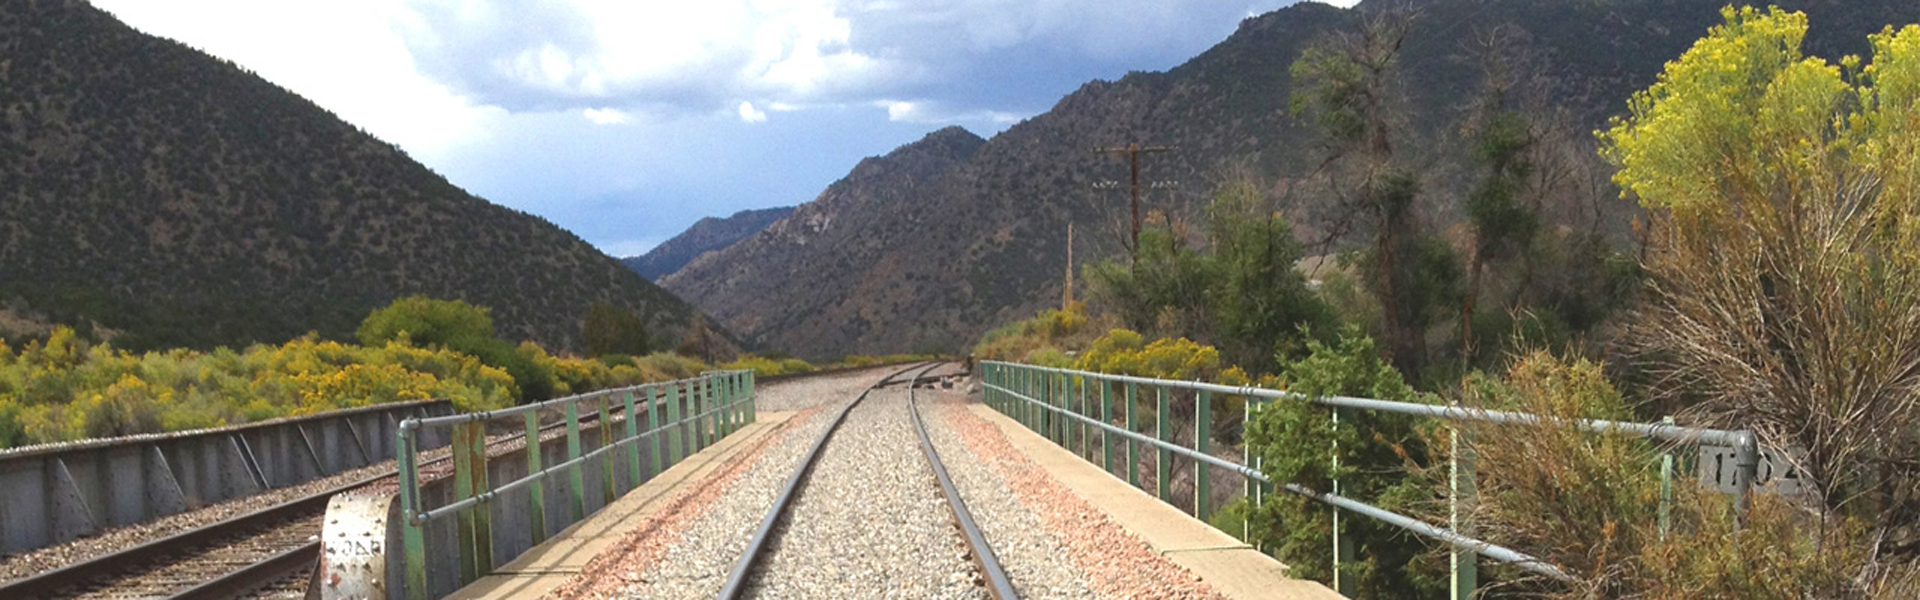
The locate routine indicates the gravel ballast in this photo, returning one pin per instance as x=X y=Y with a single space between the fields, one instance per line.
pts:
x=1109 y=560
x=1034 y=559
x=870 y=522
x=107 y=541
x=687 y=550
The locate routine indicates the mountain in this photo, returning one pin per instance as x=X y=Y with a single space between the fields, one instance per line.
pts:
x=944 y=247
x=705 y=235
x=843 y=236
x=163 y=197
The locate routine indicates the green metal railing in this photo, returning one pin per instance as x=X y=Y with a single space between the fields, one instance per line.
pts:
x=1044 y=399
x=715 y=404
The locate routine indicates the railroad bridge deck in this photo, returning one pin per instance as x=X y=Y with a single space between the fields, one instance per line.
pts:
x=1062 y=526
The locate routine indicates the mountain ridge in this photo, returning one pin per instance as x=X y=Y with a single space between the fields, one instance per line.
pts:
x=985 y=243
x=174 y=199
x=706 y=235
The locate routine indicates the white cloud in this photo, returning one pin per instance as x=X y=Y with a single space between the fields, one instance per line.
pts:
x=682 y=54
x=606 y=116
x=750 y=114
x=341 y=55
x=626 y=248
x=901 y=111
x=709 y=55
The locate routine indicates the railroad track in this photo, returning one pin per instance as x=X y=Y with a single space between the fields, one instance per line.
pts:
x=272 y=548
x=991 y=574
x=269 y=548
x=223 y=559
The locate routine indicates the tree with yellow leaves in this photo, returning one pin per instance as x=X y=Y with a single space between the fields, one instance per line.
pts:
x=1785 y=192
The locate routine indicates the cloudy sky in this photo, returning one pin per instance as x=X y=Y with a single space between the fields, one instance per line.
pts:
x=626 y=120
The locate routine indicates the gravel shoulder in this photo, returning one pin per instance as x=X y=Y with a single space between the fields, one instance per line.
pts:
x=687 y=550
x=1035 y=559
x=1076 y=551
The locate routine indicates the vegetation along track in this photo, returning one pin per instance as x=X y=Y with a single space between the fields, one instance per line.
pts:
x=752 y=561
x=267 y=548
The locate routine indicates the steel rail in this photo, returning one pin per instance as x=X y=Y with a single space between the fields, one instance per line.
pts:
x=156 y=552
x=998 y=584
x=255 y=576
x=743 y=569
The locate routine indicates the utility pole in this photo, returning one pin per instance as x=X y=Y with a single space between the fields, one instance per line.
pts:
x=1066 y=291
x=1133 y=152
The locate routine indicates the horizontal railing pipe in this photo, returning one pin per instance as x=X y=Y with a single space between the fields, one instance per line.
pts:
x=419 y=515
x=1484 y=548
x=1675 y=433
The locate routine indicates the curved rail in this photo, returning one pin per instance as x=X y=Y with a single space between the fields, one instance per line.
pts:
x=737 y=579
x=998 y=584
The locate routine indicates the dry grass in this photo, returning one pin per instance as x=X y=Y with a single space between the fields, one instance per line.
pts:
x=1591 y=505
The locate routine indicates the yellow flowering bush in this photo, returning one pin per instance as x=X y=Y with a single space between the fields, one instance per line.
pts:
x=65 y=388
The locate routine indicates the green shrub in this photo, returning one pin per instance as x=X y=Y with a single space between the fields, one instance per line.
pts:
x=1380 y=457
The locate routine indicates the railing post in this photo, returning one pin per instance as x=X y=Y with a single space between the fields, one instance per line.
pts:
x=722 y=406
x=536 y=489
x=1342 y=543
x=1061 y=423
x=633 y=444
x=1018 y=378
x=1250 y=407
x=753 y=401
x=412 y=535
x=1202 y=430
x=1106 y=416
x=1666 y=486
x=710 y=401
x=1068 y=385
x=987 y=382
x=1460 y=499
x=1046 y=400
x=606 y=458
x=653 y=430
x=1035 y=414
x=674 y=447
x=1163 y=428
x=474 y=533
x=1056 y=425
x=710 y=424
x=696 y=407
x=1086 y=410
x=1746 y=464
x=1133 y=448
x=575 y=477
x=1028 y=408
x=736 y=414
